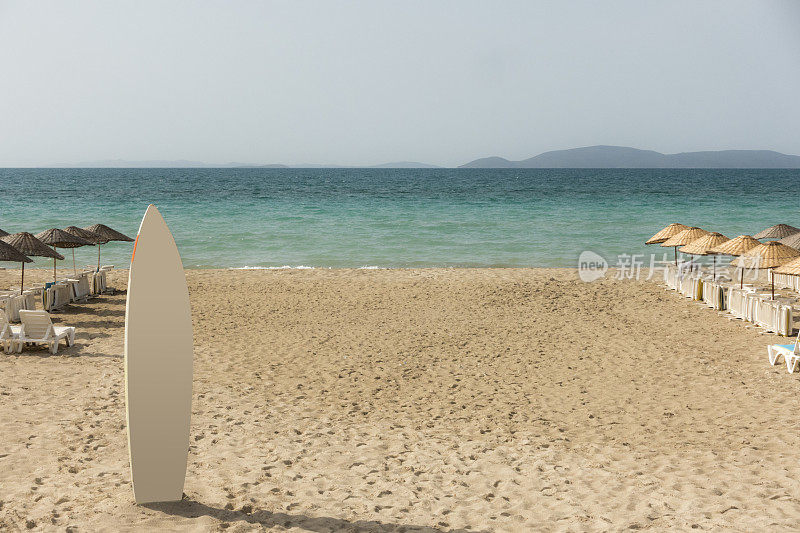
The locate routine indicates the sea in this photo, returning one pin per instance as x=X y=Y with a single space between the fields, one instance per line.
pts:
x=397 y=218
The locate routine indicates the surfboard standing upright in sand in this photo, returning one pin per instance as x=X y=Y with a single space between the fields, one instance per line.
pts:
x=158 y=364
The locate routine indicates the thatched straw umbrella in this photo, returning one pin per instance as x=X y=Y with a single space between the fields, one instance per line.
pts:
x=86 y=235
x=58 y=238
x=704 y=245
x=792 y=268
x=738 y=246
x=669 y=231
x=4 y=233
x=791 y=240
x=106 y=234
x=778 y=231
x=768 y=255
x=11 y=254
x=29 y=245
x=683 y=238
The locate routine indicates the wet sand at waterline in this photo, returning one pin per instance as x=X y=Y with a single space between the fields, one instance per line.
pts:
x=437 y=400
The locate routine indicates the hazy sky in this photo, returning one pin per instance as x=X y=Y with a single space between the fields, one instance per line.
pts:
x=369 y=82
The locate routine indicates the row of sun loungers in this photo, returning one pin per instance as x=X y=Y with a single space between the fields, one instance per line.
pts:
x=76 y=289
x=785 y=281
x=714 y=294
x=685 y=283
x=748 y=303
x=775 y=316
x=36 y=326
x=12 y=302
x=54 y=297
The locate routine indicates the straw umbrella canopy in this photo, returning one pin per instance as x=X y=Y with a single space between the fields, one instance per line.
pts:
x=3 y=233
x=86 y=235
x=768 y=255
x=58 y=238
x=778 y=231
x=106 y=234
x=704 y=245
x=738 y=246
x=11 y=254
x=791 y=240
x=791 y=268
x=29 y=245
x=669 y=231
x=683 y=238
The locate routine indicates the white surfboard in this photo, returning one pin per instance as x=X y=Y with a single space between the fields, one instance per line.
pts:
x=158 y=364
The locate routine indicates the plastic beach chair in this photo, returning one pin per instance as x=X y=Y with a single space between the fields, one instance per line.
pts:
x=37 y=328
x=790 y=353
x=8 y=333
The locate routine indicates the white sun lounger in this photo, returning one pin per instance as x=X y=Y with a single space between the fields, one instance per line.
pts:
x=790 y=353
x=8 y=334
x=37 y=328
x=80 y=288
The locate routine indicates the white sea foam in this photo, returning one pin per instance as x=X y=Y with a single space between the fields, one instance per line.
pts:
x=284 y=267
x=371 y=267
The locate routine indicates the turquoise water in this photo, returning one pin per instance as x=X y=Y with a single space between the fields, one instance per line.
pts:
x=397 y=217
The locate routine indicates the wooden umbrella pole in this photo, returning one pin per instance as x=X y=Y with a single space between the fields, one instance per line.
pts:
x=54 y=266
x=676 y=256
x=741 y=279
x=22 y=282
x=98 y=258
x=772 y=275
x=715 y=267
x=74 y=270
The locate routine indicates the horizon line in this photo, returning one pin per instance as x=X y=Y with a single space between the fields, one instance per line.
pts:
x=404 y=164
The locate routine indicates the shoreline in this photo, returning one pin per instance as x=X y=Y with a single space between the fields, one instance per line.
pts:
x=304 y=267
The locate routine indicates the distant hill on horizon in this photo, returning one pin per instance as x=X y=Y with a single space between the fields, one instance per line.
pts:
x=602 y=156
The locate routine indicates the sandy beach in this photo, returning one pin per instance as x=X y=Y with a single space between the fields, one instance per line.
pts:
x=417 y=400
